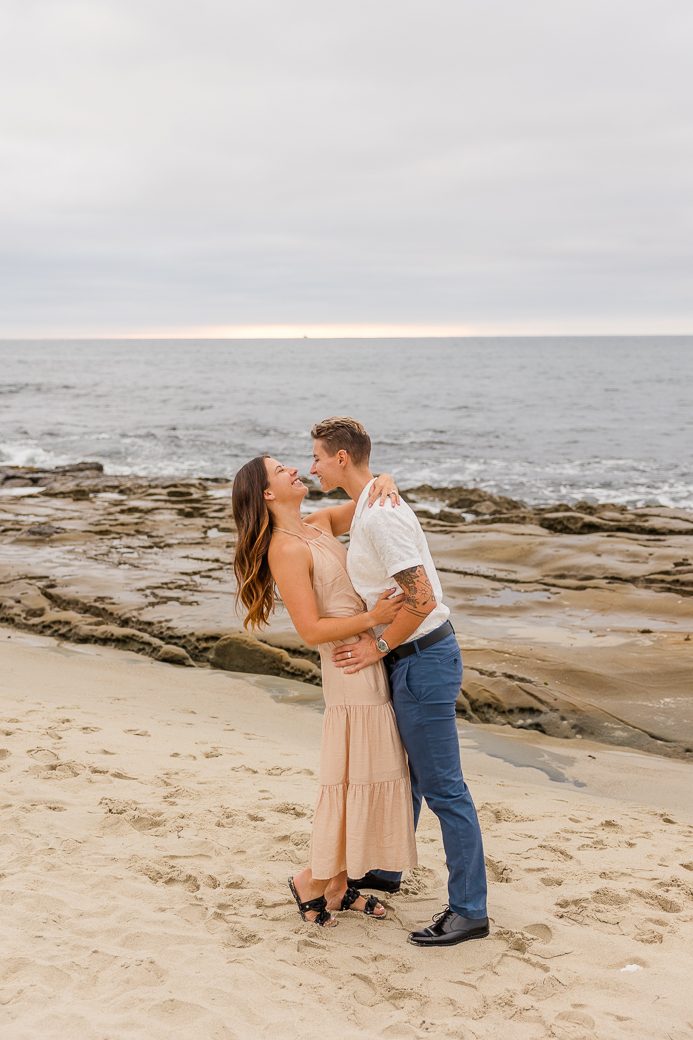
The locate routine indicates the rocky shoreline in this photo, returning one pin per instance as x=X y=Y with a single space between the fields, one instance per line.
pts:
x=574 y=620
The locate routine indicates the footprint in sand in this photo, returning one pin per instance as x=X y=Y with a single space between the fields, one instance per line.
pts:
x=540 y=930
x=290 y=809
x=572 y=1025
x=649 y=936
x=609 y=897
x=234 y=881
x=174 y=1012
x=172 y=876
x=417 y=881
x=498 y=871
x=42 y=755
x=139 y=819
x=138 y=732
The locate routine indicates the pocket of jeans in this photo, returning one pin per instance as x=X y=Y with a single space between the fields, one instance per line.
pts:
x=451 y=658
x=453 y=652
x=405 y=689
x=442 y=674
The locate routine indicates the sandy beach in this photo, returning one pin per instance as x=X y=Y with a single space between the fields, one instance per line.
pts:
x=151 y=816
x=160 y=769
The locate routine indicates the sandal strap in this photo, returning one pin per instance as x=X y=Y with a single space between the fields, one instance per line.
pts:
x=370 y=906
x=319 y=904
x=349 y=897
x=323 y=918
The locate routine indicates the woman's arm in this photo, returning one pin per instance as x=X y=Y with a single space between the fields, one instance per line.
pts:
x=335 y=519
x=290 y=565
x=339 y=517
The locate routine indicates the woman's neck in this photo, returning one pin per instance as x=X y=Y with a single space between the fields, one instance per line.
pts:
x=288 y=517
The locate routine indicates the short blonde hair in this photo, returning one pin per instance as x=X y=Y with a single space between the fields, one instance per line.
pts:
x=342 y=433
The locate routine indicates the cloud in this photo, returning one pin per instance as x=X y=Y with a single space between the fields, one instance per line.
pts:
x=497 y=165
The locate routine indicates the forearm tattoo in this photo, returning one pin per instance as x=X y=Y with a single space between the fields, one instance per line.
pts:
x=417 y=590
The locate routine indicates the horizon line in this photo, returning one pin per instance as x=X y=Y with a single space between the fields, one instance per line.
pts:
x=363 y=331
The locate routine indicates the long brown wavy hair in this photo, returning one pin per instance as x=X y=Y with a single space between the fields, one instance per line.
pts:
x=254 y=583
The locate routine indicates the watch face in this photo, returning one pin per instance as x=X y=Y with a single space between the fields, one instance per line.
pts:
x=382 y=646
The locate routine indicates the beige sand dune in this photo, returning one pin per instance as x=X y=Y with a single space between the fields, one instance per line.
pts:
x=150 y=818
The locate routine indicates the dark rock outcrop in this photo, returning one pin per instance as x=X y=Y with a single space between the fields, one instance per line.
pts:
x=467 y=500
x=239 y=652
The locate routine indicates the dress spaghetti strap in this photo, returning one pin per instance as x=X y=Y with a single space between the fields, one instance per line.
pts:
x=301 y=536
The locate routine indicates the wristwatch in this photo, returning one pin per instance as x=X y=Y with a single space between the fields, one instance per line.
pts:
x=382 y=645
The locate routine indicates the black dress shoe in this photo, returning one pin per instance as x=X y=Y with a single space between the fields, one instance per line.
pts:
x=449 y=928
x=374 y=882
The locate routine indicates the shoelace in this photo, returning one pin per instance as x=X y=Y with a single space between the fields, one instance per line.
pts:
x=443 y=913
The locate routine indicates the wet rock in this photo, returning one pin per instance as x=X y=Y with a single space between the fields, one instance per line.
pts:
x=315 y=494
x=17 y=482
x=239 y=652
x=464 y=709
x=664 y=525
x=136 y=570
x=44 y=530
x=474 y=500
x=21 y=601
x=553 y=724
x=293 y=644
x=61 y=623
x=80 y=467
x=496 y=696
x=114 y=635
x=573 y=523
x=447 y=516
x=174 y=655
x=468 y=500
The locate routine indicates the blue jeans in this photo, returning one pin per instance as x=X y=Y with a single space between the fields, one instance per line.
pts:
x=424 y=692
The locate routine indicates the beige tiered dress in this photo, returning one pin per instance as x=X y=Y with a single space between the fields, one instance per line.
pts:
x=363 y=814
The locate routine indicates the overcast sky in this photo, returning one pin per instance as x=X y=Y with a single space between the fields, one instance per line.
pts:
x=490 y=165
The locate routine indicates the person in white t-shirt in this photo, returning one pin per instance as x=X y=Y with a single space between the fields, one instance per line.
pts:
x=424 y=664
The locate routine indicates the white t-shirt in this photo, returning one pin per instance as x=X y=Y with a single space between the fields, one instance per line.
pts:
x=385 y=541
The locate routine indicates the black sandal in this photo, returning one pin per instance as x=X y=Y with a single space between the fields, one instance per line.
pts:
x=318 y=906
x=350 y=897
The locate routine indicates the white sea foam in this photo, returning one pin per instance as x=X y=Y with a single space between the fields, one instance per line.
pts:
x=28 y=453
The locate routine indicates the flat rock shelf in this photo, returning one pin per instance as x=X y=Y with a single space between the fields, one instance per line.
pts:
x=574 y=620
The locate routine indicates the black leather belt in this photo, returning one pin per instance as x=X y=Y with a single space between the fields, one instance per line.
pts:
x=407 y=649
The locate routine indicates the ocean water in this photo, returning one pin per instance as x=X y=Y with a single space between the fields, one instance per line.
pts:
x=540 y=419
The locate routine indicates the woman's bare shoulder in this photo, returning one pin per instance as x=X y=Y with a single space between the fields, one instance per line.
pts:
x=285 y=548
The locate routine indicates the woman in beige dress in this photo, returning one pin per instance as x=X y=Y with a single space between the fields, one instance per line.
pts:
x=363 y=814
